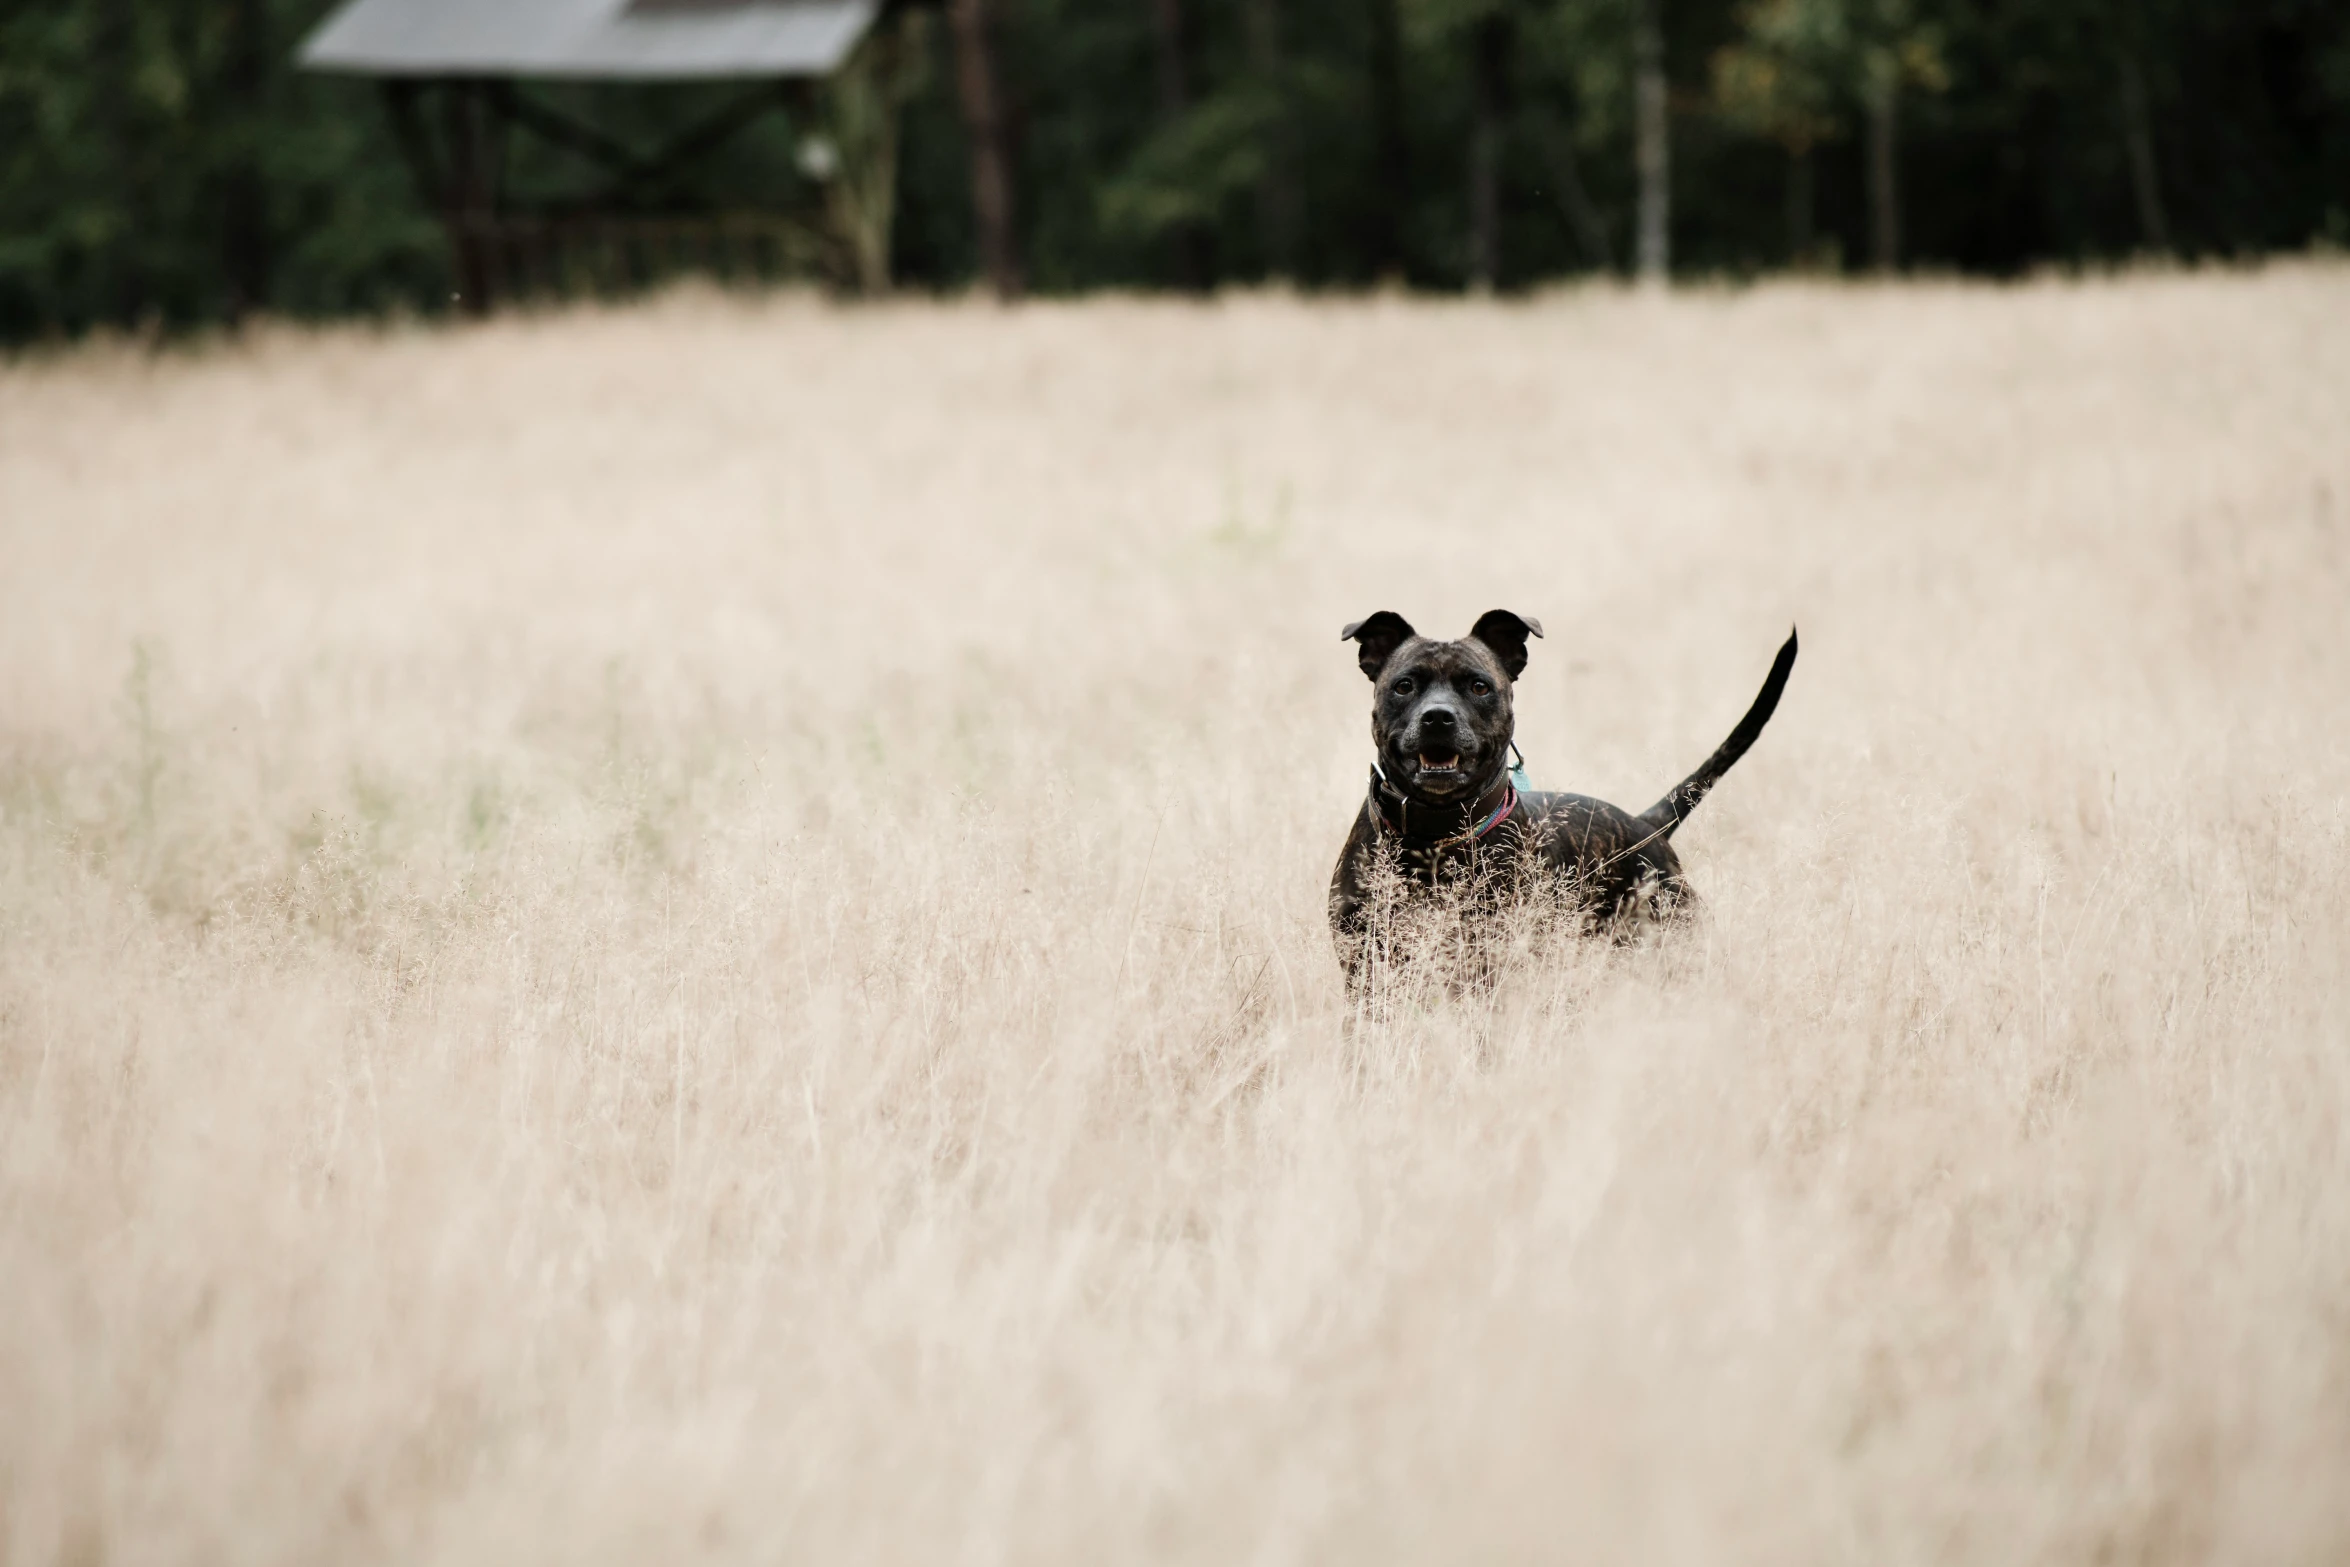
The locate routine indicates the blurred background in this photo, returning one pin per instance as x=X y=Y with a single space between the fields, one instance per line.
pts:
x=173 y=163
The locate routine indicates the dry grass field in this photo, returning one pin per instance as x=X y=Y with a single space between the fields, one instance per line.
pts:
x=696 y=931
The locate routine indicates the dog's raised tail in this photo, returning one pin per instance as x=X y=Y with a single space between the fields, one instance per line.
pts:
x=1669 y=812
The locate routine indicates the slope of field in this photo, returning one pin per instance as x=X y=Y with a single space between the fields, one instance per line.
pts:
x=696 y=931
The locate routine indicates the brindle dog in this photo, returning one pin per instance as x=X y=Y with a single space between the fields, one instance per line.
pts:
x=1444 y=808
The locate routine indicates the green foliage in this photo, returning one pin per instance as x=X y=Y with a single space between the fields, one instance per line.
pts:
x=1187 y=172
x=1780 y=78
x=1797 y=65
x=162 y=162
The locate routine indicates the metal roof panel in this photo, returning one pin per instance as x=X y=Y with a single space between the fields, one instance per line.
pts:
x=588 y=38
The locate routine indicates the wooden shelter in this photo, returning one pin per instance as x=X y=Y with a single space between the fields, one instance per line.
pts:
x=452 y=74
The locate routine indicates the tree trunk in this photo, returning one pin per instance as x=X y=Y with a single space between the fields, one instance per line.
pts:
x=1884 y=172
x=1391 y=172
x=1799 y=205
x=1191 y=242
x=1490 y=75
x=1652 y=148
x=245 y=240
x=1279 y=219
x=114 y=58
x=2145 y=177
x=991 y=153
x=1557 y=146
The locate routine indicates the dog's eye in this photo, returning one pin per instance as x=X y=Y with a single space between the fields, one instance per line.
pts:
x=1402 y=687
x=1479 y=688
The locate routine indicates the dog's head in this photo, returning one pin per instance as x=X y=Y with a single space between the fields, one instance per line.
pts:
x=1441 y=714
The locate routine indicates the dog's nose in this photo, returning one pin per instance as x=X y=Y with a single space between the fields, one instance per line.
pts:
x=1438 y=718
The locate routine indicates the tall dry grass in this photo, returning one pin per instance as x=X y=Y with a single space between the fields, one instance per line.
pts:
x=697 y=931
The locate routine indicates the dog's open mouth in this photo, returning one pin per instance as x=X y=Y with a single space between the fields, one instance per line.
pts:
x=1436 y=764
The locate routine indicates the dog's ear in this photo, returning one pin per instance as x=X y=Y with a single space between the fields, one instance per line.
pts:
x=1506 y=634
x=1377 y=638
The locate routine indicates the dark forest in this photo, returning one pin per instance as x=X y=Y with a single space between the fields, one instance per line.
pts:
x=164 y=164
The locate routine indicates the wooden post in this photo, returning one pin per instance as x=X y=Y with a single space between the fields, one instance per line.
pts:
x=463 y=188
